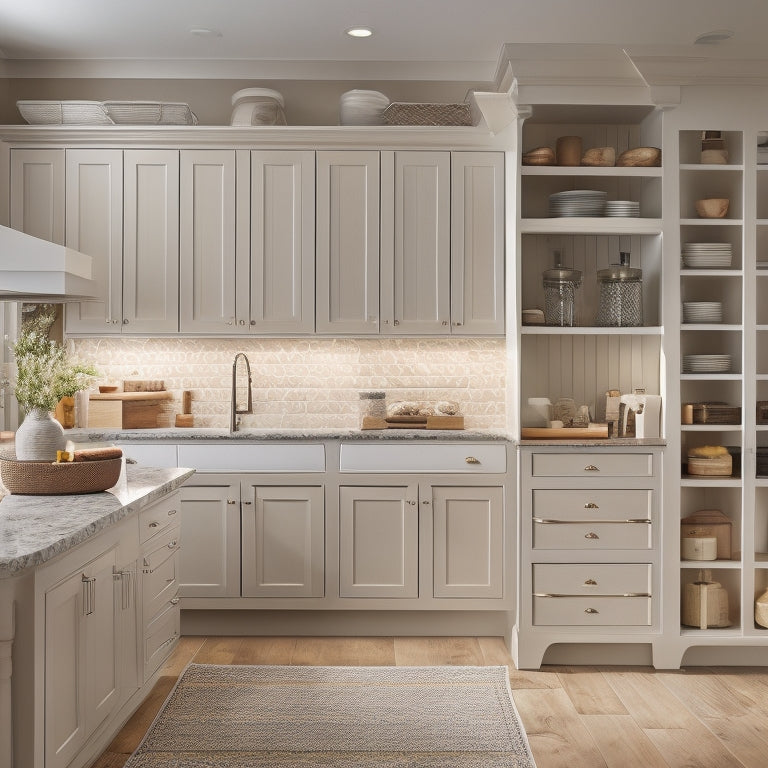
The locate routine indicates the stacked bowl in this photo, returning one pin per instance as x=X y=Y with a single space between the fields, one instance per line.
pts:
x=362 y=107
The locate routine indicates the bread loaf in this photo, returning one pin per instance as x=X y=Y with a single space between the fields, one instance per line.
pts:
x=539 y=156
x=98 y=454
x=599 y=157
x=707 y=451
x=640 y=156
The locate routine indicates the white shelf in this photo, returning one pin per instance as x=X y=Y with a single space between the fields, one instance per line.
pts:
x=712 y=565
x=711 y=427
x=710 y=167
x=710 y=481
x=711 y=222
x=686 y=272
x=710 y=327
x=556 y=330
x=731 y=632
x=591 y=226
x=583 y=170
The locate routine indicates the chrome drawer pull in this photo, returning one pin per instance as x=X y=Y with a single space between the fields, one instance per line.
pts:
x=154 y=525
x=172 y=544
x=591 y=468
x=472 y=460
x=629 y=521
x=175 y=600
x=591 y=610
x=590 y=583
x=171 y=512
x=231 y=501
x=591 y=505
x=594 y=597
x=591 y=535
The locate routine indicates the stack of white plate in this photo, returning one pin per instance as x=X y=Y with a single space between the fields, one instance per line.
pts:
x=622 y=208
x=362 y=107
x=707 y=255
x=702 y=312
x=577 y=202
x=706 y=363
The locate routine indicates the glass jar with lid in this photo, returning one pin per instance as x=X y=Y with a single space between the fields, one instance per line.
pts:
x=560 y=284
x=621 y=295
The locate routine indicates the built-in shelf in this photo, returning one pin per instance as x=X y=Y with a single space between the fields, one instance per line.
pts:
x=556 y=330
x=710 y=481
x=588 y=225
x=732 y=632
x=733 y=564
x=710 y=167
x=711 y=377
x=710 y=427
x=710 y=327
x=585 y=170
x=686 y=272
x=711 y=222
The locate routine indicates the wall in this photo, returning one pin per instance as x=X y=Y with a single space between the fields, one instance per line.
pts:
x=306 y=103
x=312 y=382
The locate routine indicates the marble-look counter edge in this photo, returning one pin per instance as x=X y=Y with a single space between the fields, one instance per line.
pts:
x=618 y=442
x=35 y=529
x=178 y=435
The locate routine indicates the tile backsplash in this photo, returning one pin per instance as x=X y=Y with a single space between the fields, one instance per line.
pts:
x=311 y=383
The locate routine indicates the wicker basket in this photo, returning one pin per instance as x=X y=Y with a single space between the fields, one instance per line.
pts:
x=716 y=413
x=150 y=113
x=37 y=112
x=402 y=113
x=44 y=478
x=717 y=466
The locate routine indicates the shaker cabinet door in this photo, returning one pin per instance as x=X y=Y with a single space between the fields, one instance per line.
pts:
x=37 y=193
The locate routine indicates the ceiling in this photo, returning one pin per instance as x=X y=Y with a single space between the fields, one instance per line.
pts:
x=413 y=39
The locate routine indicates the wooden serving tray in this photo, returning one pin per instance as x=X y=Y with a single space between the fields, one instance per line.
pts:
x=599 y=432
x=413 y=422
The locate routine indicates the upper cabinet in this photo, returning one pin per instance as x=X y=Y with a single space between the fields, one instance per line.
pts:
x=37 y=193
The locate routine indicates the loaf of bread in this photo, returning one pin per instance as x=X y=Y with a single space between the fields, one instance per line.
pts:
x=539 y=156
x=707 y=451
x=97 y=454
x=403 y=408
x=446 y=408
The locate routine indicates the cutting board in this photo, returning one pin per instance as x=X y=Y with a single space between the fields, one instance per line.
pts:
x=413 y=422
x=127 y=410
x=597 y=432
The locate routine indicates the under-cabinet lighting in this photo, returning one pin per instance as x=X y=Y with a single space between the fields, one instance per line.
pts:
x=359 y=31
x=712 y=38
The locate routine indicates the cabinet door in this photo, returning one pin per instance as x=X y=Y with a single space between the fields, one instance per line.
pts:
x=416 y=242
x=347 y=242
x=151 y=241
x=81 y=674
x=209 y=560
x=207 y=241
x=94 y=225
x=477 y=243
x=468 y=530
x=378 y=541
x=283 y=541
x=282 y=242
x=37 y=193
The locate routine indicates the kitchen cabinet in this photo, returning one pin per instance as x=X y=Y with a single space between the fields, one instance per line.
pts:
x=379 y=541
x=37 y=193
x=590 y=555
x=94 y=225
x=347 y=224
x=209 y=563
x=283 y=540
x=81 y=672
x=207 y=242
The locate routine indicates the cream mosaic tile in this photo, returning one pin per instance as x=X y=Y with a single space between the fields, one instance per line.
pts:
x=312 y=383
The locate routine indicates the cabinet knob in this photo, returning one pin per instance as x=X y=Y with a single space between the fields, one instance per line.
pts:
x=246 y=503
x=591 y=535
x=591 y=505
x=231 y=501
x=253 y=322
x=458 y=325
x=154 y=525
x=396 y=322
x=231 y=321
x=591 y=610
x=115 y=322
x=175 y=600
x=426 y=501
x=125 y=321
x=412 y=502
x=242 y=322
x=590 y=583
x=472 y=460
x=171 y=512
x=172 y=544
x=591 y=468
x=445 y=322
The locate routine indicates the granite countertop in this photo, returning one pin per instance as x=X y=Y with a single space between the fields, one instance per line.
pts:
x=614 y=442
x=195 y=434
x=35 y=529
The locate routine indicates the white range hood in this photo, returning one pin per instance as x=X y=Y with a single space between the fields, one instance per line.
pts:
x=35 y=270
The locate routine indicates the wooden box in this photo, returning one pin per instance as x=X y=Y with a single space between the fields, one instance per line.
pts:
x=709 y=522
x=127 y=410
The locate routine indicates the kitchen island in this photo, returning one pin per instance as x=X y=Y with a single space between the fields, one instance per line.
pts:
x=77 y=613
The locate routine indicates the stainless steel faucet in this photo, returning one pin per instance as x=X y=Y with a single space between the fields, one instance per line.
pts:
x=234 y=419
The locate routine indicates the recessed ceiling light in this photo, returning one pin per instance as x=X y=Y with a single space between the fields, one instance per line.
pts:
x=710 y=38
x=205 y=32
x=359 y=31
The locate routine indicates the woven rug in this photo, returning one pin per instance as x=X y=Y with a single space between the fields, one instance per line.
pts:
x=345 y=717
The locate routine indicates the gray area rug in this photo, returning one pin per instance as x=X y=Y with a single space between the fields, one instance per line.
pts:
x=374 y=717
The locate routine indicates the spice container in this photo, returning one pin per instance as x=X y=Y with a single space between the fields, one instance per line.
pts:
x=560 y=286
x=373 y=404
x=621 y=295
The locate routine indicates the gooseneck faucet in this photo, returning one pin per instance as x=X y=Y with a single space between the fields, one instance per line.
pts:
x=234 y=419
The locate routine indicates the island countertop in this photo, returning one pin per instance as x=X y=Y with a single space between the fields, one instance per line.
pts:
x=35 y=529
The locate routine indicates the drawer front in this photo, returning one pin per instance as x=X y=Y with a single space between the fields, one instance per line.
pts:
x=577 y=504
x=482 y=458
x=592 y=611
x=247 y=457
x=587 y=579
x=160 y=639
x=160 y=575
x=593 y=465
x=159 y=517
x=591 y=535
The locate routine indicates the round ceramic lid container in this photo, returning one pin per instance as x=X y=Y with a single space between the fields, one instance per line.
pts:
x=257 y=94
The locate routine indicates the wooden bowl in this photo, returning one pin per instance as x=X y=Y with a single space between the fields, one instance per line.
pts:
x=712 y=207
x=105 y=388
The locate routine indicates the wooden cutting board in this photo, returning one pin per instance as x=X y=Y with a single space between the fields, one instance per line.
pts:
x=566 y=433
x=413 y=422
x=127 y=410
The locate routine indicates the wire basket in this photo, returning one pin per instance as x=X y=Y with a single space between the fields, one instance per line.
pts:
x=402 y=113
x=44 y=478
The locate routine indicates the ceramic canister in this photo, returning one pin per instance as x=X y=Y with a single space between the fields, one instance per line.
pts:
x=699 y=548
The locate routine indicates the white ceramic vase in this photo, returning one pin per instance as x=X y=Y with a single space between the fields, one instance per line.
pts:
x=39 y=436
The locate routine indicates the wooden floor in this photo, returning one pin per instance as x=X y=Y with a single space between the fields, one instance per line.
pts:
x=579 y=717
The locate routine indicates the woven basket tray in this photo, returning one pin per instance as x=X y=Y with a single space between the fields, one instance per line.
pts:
x=403 y=113
x=43 y=478
x=718 y=466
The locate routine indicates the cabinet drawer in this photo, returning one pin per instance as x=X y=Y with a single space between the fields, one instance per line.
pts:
x=592 y=611
x=589 y=579
x=247 y=457
x=576 y=504
x=589 y=535
x=401 y=458
x=160 y=637
x=160 y=575
x=159 y=517
x=593 y=465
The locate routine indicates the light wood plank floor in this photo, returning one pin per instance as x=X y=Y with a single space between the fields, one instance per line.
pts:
x=579 y=717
